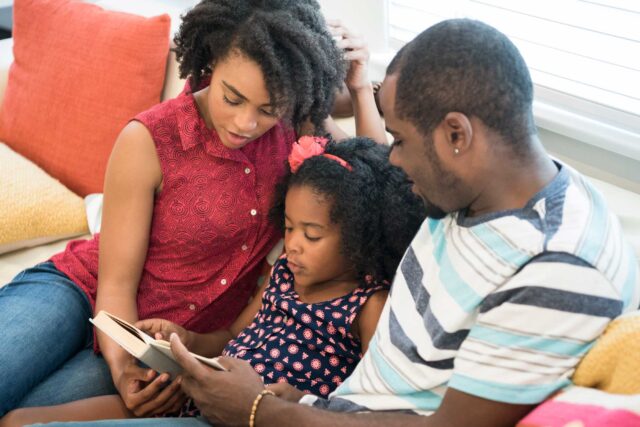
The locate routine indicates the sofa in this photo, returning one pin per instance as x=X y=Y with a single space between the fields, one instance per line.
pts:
x=625 y=203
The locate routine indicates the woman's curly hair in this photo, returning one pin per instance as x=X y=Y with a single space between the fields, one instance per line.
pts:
x=373 y=203
x=288 y=39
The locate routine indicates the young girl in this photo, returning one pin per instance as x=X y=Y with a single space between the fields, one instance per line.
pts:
x=348 y=216
x=185 y=221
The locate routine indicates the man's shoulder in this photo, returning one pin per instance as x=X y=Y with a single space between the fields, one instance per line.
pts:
x=578 y=198
x=581 y=223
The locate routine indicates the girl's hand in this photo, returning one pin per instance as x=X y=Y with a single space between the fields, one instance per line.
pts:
x=356 y=52
x=286 y=391
x=162 y=329
x=146 y=393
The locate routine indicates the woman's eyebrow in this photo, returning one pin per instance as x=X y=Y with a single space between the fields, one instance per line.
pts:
x=234 y=90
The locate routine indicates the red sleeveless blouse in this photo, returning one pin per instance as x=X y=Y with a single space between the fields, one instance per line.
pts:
x=210 y=228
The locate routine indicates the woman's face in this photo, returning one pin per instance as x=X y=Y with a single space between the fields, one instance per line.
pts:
x=237 y=101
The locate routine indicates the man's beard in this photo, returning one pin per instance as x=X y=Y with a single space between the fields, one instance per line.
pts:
x=448 y=179
x=433 y=211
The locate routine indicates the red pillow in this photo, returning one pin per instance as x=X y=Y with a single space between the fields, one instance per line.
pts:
x=585 y=407
x=80 y=73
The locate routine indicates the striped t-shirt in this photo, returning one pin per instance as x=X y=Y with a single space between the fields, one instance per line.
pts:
x=501 y=306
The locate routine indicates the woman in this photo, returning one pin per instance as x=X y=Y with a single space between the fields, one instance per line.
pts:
x=187 y=191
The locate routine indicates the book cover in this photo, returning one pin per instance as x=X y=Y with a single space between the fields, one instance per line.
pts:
x=156 y=354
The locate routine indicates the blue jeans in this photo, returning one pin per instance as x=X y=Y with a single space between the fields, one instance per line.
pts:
x=136 y=422
x=46 y=340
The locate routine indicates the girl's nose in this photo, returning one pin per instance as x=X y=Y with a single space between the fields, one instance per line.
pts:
x=292 y=243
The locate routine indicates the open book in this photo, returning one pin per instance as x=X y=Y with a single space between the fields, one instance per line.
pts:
x=156 y=354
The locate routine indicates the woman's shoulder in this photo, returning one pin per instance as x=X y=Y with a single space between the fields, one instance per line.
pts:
x=167 y=111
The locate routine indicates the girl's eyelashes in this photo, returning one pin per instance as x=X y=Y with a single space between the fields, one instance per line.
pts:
x=396 y=143
x=230 y=102
x=306 y=236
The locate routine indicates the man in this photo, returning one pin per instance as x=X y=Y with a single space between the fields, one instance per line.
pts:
x=517 y=271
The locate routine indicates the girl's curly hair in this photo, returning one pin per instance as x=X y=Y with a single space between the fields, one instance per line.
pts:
x=288 y=39
x=373 y=204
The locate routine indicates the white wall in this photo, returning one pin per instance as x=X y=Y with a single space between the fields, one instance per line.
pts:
x=365 y=17
x=595 y=162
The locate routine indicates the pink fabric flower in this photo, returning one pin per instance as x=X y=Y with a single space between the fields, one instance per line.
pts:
x=305 y=147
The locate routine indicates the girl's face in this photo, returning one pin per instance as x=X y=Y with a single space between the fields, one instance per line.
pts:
x=236 y=103
x=312 y=241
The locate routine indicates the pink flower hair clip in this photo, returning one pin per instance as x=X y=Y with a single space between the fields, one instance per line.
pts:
x=310 y=146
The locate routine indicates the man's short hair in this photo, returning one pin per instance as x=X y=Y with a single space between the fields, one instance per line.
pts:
x=468 y=67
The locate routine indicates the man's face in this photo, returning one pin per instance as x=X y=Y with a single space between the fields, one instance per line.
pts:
x=418 y=156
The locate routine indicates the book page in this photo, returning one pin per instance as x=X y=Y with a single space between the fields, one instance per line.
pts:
x=129 y=328
x=165 y=348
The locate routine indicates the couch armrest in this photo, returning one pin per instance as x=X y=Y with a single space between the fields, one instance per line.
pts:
x=6 y=59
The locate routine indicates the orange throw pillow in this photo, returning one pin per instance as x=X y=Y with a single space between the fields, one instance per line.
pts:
x=80 y=73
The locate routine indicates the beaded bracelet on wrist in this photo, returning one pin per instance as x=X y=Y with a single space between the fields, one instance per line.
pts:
x=256 y=402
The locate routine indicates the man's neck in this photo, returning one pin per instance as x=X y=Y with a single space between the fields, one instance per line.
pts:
x=515 y=182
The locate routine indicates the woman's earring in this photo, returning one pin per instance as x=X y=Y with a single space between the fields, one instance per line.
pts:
x=456 y=151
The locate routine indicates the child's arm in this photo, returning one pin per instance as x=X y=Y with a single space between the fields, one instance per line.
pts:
x=213 y=343
x=210 y=344
x=365 y=323
x=368 y=122
x=360 y=91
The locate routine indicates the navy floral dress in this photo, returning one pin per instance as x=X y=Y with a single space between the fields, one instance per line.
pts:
x=310 y=346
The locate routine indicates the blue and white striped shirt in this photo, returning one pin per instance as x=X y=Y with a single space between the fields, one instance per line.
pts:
x=501 y=306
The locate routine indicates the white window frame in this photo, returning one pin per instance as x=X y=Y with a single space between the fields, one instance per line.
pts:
x=606 y=128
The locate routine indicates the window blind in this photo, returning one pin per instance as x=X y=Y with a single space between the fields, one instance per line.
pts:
x=587 y=49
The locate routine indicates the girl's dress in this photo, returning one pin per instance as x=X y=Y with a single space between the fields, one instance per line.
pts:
x=310 y=346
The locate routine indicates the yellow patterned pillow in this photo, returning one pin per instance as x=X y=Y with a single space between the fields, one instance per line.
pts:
x=34 y=207
x=612 y=364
